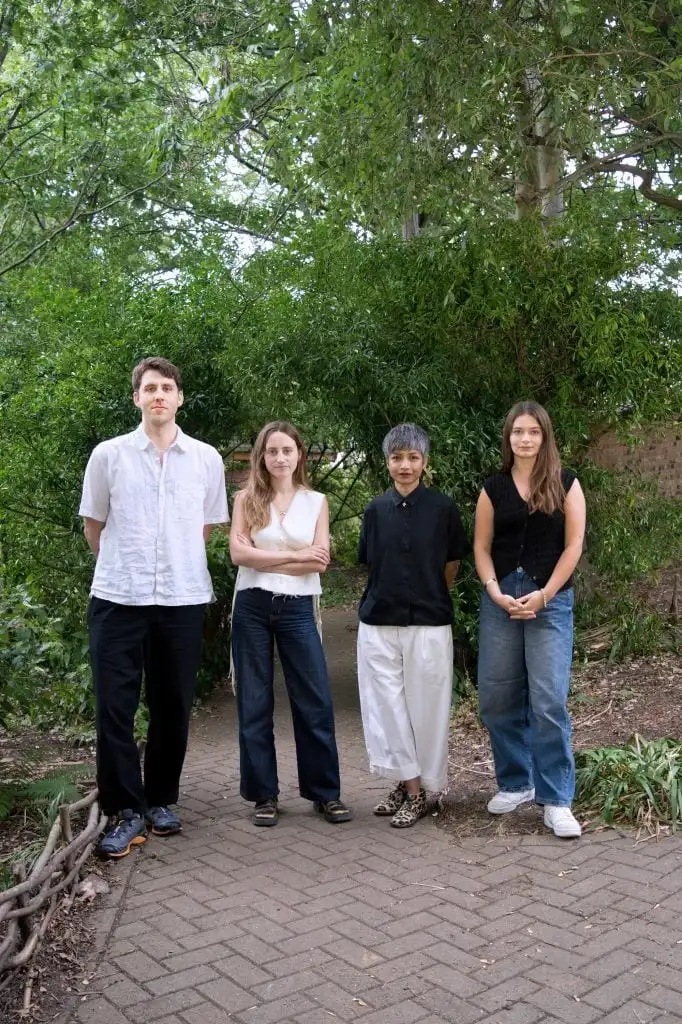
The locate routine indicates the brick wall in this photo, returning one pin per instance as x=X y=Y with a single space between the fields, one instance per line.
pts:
x=657 y=455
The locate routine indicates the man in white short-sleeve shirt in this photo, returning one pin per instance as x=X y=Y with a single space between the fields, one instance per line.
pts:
x=150 y=501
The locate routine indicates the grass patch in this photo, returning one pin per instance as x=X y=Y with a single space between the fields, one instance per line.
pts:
x=628 y=628
x=639 y=784
x=342 y=586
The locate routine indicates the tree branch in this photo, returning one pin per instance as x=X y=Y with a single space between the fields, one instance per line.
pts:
x=74 y=217
x=604 y=163
x=646 y=186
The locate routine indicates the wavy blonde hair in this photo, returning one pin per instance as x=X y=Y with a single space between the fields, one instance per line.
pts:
x=258 y=493
x=547 y=492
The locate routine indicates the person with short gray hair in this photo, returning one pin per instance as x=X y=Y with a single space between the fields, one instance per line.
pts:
x=406 y=437
x=412 y=540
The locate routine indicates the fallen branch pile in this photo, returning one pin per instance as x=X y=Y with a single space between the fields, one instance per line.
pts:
x=26 y=908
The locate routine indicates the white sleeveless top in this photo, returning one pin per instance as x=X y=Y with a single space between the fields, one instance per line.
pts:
x=294 y=532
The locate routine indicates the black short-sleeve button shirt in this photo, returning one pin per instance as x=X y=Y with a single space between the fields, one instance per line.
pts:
x=406 y=543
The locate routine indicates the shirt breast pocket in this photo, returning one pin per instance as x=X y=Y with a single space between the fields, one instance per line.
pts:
x=188 y=500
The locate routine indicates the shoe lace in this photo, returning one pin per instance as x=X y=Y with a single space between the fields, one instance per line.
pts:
x=120 y=827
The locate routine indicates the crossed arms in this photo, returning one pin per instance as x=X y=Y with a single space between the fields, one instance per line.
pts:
x=288 y=562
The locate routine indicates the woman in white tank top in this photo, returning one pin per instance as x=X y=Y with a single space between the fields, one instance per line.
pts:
x=280 y=540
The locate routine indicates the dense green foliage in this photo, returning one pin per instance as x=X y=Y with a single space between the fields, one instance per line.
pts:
x=638 y=784
x=346 y=214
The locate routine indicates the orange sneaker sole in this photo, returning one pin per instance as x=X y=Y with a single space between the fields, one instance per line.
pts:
x=137 y=841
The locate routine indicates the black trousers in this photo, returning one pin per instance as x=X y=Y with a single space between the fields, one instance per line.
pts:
x=165 y=644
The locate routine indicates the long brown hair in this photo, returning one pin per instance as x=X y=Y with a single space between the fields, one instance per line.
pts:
x=547 y=492
x=258 y=492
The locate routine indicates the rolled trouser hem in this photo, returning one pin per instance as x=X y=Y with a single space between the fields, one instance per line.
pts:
x=411 y=772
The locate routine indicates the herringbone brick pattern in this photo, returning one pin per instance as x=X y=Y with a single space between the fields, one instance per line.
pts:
x=309 y=923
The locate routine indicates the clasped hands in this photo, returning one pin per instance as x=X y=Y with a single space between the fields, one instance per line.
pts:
x=524 y=607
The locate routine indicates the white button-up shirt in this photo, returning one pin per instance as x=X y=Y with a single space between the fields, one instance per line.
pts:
x=154 y=509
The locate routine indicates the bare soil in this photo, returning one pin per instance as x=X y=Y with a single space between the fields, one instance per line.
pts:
x=57 y=972
x=609 y=703
x=57 y=969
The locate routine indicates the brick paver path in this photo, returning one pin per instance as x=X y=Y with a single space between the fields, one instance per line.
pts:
x=313 y=923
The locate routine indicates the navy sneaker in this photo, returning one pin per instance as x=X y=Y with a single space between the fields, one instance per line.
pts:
x=163 y=821
x=129 y=831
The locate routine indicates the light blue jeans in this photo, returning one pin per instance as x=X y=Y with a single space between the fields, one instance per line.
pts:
x=524 y=670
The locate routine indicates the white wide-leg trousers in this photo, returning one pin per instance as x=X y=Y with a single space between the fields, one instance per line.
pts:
x=405 y=679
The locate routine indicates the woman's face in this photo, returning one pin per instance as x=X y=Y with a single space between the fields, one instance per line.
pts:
x=281 y=455
x=526 y=437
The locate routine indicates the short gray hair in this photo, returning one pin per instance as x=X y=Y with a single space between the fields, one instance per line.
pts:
x=406 y=437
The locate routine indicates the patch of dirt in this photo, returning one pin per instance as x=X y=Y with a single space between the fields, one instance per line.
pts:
x=343 y=586
x=664 y=590
x=57 y=969
x=609 y=703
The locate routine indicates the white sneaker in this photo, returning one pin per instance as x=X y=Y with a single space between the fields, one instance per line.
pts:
x=562 y=822
x=503 y=803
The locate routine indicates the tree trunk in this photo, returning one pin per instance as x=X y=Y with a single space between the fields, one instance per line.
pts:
x=411 y=225
x=537 y=190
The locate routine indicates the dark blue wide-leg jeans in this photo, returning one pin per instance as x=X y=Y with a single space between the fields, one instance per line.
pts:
x=259 y=620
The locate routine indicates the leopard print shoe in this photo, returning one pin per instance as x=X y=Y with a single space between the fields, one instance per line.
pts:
x=391 y=803
x=413 y=808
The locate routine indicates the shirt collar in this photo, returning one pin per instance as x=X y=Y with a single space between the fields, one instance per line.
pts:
x=143 y=442
x=410 y=499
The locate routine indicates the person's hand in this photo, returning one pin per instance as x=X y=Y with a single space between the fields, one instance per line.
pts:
x=318 y=565
x=319 y=553
x=504 y=601
x=528 y=605
x=245 y=539
x=315 y=553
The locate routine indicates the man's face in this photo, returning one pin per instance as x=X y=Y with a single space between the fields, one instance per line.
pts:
x=406 y=467
x=158 y=398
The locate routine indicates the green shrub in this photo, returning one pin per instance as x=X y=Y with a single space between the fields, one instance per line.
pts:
x=621 y=627
x=631 y=529
x=44 y=669
x=639 y=784
x=215 y=657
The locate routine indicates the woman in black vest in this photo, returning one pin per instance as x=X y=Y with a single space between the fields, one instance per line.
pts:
x=530 y=525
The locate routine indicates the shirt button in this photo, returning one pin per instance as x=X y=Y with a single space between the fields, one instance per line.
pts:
x=404 y=505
